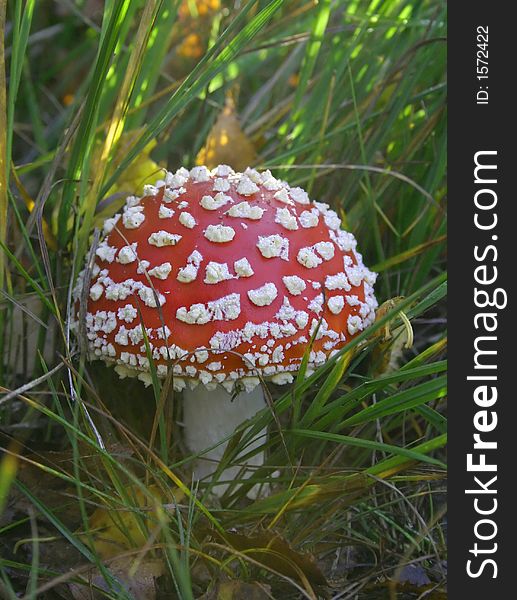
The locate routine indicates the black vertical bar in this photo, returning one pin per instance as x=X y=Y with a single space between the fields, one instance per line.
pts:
x=482 y=257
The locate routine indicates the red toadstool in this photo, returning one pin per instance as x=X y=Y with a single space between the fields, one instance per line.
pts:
x=230 y=274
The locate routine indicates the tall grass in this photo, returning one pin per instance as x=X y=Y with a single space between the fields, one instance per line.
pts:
x=346 y=99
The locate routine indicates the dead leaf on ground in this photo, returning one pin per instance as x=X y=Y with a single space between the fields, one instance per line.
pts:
x=273 y=551
x=140 y=583
x=39 y=472
x=116 y=530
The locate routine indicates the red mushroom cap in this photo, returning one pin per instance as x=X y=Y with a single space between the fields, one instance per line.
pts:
x=243 y=268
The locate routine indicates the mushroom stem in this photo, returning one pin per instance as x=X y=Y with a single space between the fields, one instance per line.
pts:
x=211 y=416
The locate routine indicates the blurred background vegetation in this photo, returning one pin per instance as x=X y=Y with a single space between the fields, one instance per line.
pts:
x=344 y=98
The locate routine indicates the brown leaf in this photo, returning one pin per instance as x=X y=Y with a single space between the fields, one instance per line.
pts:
x=40 y=471
x=226 y=143
x=139 y=579
x=273 y=551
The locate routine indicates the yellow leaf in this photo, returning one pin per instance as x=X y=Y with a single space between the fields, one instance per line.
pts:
x=115 y=530
x=143 y=170
x=8 y=470
x=226 y=143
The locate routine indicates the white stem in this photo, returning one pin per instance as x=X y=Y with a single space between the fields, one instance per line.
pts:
x=211 y=416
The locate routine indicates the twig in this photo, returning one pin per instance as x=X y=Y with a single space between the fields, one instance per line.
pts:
x=28 y=386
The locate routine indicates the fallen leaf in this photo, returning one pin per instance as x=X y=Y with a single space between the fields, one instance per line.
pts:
x=42 y=473
x=273 y=551
x=143 y=170
x=140 y=583
x=8 y=470
x=226 y=143
x=116 y=530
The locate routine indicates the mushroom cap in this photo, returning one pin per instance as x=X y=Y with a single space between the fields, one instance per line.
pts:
x=230 y=275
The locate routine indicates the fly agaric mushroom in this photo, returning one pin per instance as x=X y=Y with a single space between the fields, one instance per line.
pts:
x=230 y=274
